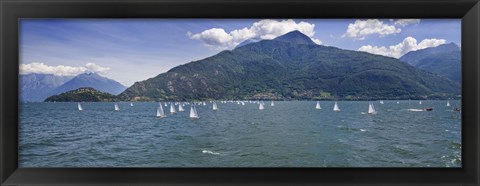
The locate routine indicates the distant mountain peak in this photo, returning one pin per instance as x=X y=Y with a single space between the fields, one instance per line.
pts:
x=295 y=37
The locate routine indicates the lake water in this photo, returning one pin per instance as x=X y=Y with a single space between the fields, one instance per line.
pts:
x=289 y=134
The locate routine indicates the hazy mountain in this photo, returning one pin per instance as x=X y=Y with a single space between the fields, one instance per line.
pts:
x=37 y=87
x=444 y=60
x=93 y=80
x=291 y=67
x=84 y=94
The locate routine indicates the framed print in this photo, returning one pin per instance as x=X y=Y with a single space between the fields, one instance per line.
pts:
x=225 y=92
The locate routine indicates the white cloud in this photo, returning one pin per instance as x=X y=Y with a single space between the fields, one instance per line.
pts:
x=61 y=70
x=398 y=50
x=362 y=28
x=218 y=38
x=405 y=22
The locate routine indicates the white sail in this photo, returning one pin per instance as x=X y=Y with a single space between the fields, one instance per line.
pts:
x=131 y=104
x=160 y=112
x=166 y=104
x=80 y=107
x=448 y=103
x=335 y=108
x=420 y=102
x=318 y=105
x=116 y=107
x=215 y=106
x=204 y=104
x=193 y=112
x=180 y=108
x=272 y=104
x=371 y=109
x=381 y=102
x=261 y=107
x=172 y=109
x=398 y=102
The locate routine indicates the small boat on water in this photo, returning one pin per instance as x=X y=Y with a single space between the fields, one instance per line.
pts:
x=261 y=107
x=371 y=109
x=318 y=105
x=160 y=113
x=448 y=103
x=131 y=104
x=180 y=108
x=193 y=112
x=79 y=107
x=420 y=102
x=428 y=109
x=215 y=106
x=456 y=109
x=272 y=104
x=116 y=107
x=336 y=108
x=172 y=109
x=381 y=101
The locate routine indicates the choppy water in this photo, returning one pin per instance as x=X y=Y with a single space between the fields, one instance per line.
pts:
x=290 y=134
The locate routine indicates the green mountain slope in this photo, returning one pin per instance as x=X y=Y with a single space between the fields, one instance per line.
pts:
x=444 y=60
x=272 y=69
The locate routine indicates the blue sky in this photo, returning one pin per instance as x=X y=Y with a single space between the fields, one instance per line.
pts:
x=130 y=50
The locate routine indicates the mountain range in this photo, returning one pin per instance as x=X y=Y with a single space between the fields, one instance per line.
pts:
x=292 y=66
x=444 y=60
x=37 y=87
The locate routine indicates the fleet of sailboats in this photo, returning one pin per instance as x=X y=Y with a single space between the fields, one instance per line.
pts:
x=194 y=113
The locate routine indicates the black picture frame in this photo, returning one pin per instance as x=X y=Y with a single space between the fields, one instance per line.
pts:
x=12 y=10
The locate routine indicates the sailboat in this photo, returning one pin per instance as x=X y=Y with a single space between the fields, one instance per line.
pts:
x=215 y=106
x=448 y=103
x=420 y=102
x=160 y=112
x=80 y=107
x=166 y=104
x=318 y=105
x=371 y=109
x=381 y=101
x=272 y=104
x=204 y=104
x=398 y=102
x=116 y=107
x=261 y=107
x=172 y=109
x=335 y=108
x=131 y=104
x=193 y=112
x=180 y=108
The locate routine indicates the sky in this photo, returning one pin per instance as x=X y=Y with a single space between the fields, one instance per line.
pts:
x=131 y=50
